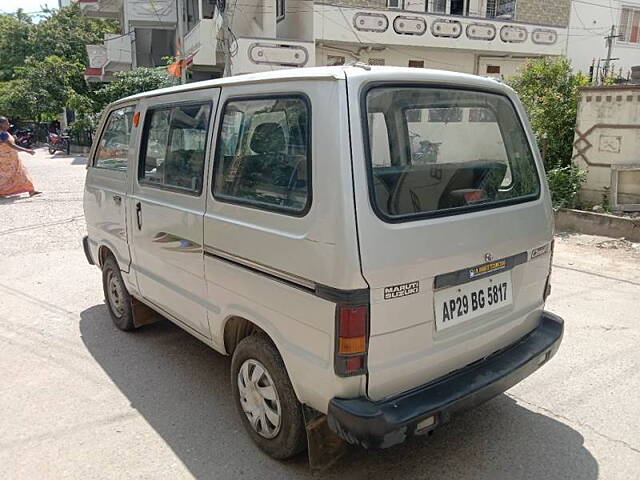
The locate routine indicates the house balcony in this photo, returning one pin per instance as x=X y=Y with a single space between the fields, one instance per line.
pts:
x=101 y=8
x=405 y=28
x=112 y=56
x=149 y=14
x=200 y=43
x=265 y=54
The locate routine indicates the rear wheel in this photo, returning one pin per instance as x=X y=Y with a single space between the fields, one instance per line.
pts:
x=265 y=399
x=116 y=295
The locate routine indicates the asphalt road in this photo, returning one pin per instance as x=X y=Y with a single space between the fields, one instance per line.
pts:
x=79 y=399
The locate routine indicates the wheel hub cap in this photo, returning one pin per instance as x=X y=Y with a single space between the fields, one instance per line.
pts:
x=259 y=398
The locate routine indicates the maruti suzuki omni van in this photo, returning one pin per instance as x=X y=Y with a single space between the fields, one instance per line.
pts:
x=369 y=244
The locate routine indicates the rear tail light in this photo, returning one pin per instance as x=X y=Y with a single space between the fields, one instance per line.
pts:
x=352 y=330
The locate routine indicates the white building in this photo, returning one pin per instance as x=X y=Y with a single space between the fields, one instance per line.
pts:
x=591 y=21
x=476 y=36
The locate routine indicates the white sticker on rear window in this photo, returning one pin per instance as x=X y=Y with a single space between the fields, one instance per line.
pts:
x=402 y=290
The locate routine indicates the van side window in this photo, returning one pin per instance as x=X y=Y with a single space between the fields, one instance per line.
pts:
x=174 y=146
x=113 y=147
x=263 y=154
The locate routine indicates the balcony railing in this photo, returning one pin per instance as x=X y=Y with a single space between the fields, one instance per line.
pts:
x=106 y=59
x=265 y=54
x=409 y=28
x=201 y=41
x=151 y=13
x=101 y=8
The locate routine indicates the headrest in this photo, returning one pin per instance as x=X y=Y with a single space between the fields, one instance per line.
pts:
x=268 y=138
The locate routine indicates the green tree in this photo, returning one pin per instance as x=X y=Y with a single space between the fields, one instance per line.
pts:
x=45 y=86
x=15 y=44
x=66 y=33
x=16 y=100
x=549 y=91
x=131 y=82
x=41 y=65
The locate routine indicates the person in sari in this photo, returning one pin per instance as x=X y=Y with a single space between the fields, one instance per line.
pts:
x=14 y=178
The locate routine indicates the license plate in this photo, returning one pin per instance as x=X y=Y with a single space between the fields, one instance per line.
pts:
x=458 y=304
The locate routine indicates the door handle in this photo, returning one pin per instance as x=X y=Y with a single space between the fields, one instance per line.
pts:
x=117 y=199
x=139 y=215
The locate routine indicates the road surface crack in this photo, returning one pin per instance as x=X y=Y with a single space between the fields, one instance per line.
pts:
x=41 y=225
x=576 y=422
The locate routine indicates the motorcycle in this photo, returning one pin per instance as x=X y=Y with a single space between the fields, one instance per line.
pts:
x=24 y=138
x=59 y=143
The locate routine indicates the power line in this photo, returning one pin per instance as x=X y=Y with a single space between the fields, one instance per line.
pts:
x=610 y=7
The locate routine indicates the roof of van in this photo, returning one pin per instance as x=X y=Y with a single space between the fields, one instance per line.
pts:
x=322 y=73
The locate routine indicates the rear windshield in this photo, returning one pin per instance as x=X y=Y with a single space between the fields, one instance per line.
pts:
x=434 y=151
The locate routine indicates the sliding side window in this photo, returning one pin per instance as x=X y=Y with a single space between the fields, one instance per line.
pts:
x=174 y=146
x=263 y=155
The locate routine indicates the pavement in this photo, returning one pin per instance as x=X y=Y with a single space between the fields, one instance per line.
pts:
x=80 y=399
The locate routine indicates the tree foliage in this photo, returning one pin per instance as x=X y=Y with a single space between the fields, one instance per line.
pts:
x=549 y=91
x=66 y=32
x=15 y=44
x=565 y=183
x=41 y=64
x=131 y=82
x=49 y=83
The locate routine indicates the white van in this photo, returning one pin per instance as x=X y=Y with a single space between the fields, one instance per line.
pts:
x=371 y=245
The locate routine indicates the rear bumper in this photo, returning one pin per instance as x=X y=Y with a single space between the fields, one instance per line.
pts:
x=87 y=250
x=388 y=422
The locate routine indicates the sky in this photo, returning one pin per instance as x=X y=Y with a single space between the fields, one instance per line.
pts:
x=29 y=6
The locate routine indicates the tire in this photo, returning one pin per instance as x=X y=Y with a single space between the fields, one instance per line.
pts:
x=52 y=149
x=116 y=295
x=289 y=438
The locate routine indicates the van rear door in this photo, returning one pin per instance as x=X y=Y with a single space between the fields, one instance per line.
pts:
x=450 y=205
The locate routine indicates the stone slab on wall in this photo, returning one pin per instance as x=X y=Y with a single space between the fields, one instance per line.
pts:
x=545 y=12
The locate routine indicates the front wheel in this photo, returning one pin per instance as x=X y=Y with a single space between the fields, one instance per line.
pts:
x=265 y=399
x=116 y=295
x=52 y=149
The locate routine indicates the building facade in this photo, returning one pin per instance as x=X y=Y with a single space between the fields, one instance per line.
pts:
x=591 y=22
x=486 y=37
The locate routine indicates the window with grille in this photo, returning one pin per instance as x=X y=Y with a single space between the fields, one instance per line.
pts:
x=629 y=29
x=438 y=6
x=376 y=61
x=491 y=8
x=416 y=63
x=500 y=8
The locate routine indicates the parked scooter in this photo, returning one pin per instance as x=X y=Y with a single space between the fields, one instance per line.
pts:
x=59 y=143
x=24 y=138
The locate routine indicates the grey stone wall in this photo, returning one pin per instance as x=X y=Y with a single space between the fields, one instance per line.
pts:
x=545 y=12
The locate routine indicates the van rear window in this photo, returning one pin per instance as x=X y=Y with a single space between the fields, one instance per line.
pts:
x=435 y=151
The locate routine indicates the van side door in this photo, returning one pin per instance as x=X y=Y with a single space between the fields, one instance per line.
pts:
x=107 y=185
x=168 y=204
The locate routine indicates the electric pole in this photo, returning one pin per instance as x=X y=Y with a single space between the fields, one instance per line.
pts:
x=180 y=31
x=226 y=40
x=609 y=38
